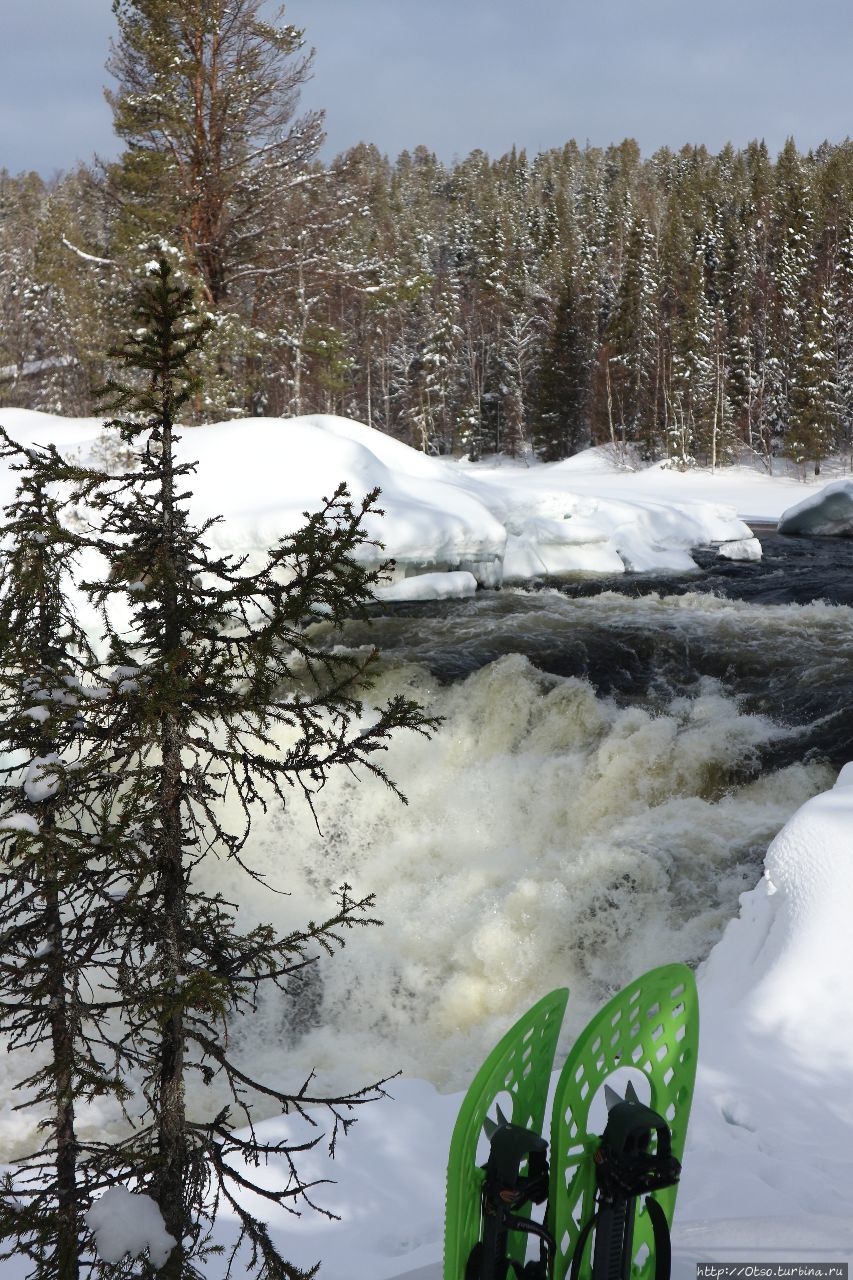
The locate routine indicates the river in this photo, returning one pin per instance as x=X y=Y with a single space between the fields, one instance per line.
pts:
x=615 y=757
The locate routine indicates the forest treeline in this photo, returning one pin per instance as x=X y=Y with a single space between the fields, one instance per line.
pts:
x=693 y=304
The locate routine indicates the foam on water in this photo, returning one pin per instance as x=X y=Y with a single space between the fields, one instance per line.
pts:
x=552 y=838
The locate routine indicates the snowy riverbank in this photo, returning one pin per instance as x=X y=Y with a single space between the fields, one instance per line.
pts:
x=490 y=523
x=449 y=525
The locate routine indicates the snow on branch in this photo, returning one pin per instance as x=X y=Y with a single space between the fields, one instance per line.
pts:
x=88 y=257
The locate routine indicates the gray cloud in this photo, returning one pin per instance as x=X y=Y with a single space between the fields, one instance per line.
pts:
x=52 y=111
x=489 y=73
x=459 y=74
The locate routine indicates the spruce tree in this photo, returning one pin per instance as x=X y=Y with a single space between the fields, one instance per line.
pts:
x=632 y=334
x=692 y=371
x=58 y=891
x=559 y=426
x=840 y=306
x=814 y=392
x=793 y=265
x=218 y=688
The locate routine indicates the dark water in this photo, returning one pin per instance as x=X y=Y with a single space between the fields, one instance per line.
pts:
x=791 y=571
x=776 y=634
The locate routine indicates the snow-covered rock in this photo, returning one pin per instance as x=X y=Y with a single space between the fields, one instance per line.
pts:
x=430 y=586
x=740 y=549
x=828 y=513
x=548 y=547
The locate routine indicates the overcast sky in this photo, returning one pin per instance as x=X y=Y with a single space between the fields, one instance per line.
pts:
x=459 y=74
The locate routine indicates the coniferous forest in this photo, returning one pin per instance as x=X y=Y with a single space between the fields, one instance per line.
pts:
x=692 y=304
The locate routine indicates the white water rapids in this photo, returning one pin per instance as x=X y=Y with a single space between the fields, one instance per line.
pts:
x=553 y=836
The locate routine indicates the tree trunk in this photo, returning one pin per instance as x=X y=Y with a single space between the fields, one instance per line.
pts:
x=62 y=1033
x=171 y=888
x=62 y=1015
x=172 y=1106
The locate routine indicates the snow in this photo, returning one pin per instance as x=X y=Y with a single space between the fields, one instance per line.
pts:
x=430 y=586
x=39 y=714
x=501 y=522
x=127 y=1223
x=429 y=523
x=828 y=513
x=28 y=426
x=41 y=782
x=554 y=547
x=741 y=549
x=20 y=822
x=773 y=1121
x=498 y=522
x=619 y=514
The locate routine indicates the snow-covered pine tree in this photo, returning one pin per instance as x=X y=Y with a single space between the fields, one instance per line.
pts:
x=206 y=105
x=559 y=427
x=222 y=688
x=701 y=413
x=757 y=356
x=473 y=340
x=514 y=307
x=813 y=392
x=842 y=309
x=793 y=272
x=39 y=365
x=632 y=335
x=507 y=381
x=435 y=374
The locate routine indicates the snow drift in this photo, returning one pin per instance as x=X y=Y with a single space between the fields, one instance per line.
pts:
x=440 y=517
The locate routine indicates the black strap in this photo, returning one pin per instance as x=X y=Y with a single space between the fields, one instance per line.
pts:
x=660 y=1234
x=577 y=1256
x=660 y=1231
x=547 y=1245
x=532 y=1270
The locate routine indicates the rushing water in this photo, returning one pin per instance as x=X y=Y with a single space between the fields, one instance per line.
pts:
x=775 y=634
x=614 y=759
